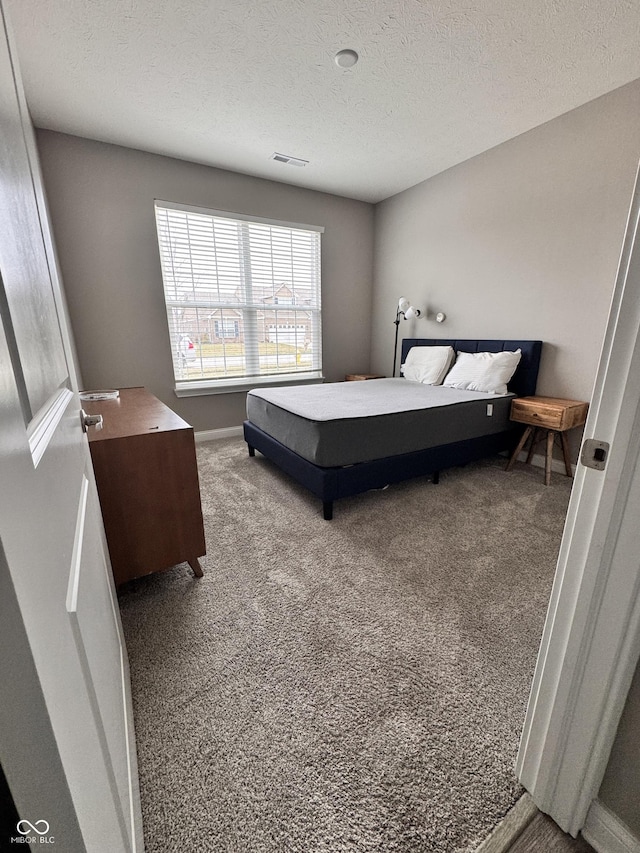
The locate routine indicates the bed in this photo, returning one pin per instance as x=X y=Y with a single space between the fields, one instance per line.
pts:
x=341 y=439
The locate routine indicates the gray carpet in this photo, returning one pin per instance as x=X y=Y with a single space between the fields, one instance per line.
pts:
x=354 y=685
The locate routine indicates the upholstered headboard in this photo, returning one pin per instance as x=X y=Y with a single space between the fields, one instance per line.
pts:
x=524 y=380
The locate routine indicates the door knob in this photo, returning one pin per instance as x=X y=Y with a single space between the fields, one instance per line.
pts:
x=90 y=420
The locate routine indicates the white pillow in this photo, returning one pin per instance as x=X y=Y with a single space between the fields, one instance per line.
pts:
x=428 y=365
x=483 y=371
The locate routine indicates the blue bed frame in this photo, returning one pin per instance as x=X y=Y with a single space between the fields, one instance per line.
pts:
x=329 y=484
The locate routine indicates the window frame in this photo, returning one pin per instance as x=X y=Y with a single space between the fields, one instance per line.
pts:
x=203 y=386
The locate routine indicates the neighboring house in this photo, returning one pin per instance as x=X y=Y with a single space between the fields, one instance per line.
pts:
x=283 y=320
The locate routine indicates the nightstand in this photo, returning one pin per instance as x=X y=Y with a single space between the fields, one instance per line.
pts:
x=355 y=377
x=554 y=416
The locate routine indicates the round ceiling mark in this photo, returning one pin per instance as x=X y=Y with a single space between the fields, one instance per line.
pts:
x=346 y=58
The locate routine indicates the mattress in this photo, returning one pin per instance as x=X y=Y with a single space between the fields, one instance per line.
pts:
x=344 y=423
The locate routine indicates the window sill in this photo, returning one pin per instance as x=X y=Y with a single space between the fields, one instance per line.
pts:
x=236 y=386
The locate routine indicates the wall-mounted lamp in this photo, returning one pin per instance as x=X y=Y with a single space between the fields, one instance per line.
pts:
x=409 y=312
x=412 y=312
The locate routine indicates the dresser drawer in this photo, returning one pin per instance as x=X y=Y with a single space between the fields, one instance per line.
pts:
x=549 y=412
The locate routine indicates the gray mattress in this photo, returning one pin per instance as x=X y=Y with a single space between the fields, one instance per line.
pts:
x=344 y=423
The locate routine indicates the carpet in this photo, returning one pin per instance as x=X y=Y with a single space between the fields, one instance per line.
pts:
x=354 y=685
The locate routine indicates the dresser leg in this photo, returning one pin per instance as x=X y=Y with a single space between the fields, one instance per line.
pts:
x=197 y=568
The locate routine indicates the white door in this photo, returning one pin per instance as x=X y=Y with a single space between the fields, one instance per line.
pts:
x=66 y=735
x=591 y=639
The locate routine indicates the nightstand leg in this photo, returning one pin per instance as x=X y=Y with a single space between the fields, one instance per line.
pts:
x=520 y=445
x=534 y=440
x=549 y=457
x=566 y=454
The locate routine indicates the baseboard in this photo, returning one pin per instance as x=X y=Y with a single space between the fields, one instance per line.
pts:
x=539 y=460
x=214 y=434
x=608 y=834
x=510 y=827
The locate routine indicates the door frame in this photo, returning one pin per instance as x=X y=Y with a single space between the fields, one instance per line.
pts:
x=591 y=640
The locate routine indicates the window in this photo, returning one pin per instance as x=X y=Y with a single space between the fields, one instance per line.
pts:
x=245 y=291
x=227 y=328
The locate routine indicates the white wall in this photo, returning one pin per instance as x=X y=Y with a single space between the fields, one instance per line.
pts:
x=519 y=242
x=101 y=200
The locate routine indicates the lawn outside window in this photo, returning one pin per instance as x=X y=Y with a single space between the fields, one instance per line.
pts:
x=243 y=299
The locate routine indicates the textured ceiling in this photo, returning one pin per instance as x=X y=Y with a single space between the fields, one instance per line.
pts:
x=228 y=82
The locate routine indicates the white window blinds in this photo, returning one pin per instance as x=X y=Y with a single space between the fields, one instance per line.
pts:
x=243 y=295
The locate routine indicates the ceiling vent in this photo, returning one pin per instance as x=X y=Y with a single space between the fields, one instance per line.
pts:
x=292 y=161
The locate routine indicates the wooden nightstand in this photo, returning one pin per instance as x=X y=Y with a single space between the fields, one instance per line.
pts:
x=355 y=377
x=550 y=415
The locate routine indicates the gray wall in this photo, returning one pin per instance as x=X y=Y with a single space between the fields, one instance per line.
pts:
x=620 y=791
x=101 y=201
x=519 y=242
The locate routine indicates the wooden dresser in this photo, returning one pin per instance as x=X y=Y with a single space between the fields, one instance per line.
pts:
x=145 y=466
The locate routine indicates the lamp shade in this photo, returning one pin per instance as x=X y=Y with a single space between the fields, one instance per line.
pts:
x=412 y=312
x=403 y=304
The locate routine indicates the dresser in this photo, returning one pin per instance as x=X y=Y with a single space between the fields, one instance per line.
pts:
x=145 y=466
